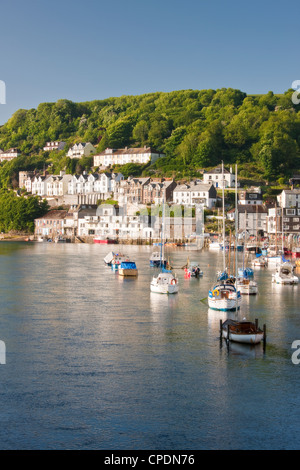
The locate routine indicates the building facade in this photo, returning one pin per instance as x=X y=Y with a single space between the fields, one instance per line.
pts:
x=195 y=193
x=127 y=155
x=219 y=180
x=81 y=150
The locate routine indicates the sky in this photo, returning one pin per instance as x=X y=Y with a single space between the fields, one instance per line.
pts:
x=94 y=49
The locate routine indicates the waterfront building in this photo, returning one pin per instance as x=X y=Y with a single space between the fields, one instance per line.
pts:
x=137 y=190
x=127 y=155
x=51 y=225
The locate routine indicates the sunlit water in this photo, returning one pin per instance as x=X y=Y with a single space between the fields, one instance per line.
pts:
x=95 y=361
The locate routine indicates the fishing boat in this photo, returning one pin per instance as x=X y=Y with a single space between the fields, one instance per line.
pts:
x=242 y=332
x=128 y=268
x=284 y=274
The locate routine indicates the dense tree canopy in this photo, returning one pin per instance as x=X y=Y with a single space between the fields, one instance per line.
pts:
x=195 y=129
x=18 y=213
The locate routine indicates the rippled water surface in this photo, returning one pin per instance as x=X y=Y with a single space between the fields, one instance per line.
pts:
x=95 y=361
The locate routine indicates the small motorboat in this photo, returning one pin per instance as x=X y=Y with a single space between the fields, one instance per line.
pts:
x=242 y=332
x=285 y=274
x=157 y=259
x=128 y=268
x=193 y=270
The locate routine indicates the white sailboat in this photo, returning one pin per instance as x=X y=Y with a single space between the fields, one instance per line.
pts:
x=165 y=282
x=224 y=295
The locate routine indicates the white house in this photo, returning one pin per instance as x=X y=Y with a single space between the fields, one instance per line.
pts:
x=195 y=193
x=251 y=196
x=216 y=178
x=289 y=198
x=57 y=145
x=57 y=185
x=127 y=155
x=252 y=218
x=39 y=185
x=81 y=150
x=8 y=155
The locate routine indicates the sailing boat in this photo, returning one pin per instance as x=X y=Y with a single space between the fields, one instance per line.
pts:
x=166 y=282
x=224 y=295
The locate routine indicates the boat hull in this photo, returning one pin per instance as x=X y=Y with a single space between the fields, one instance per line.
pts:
x=164 y=289
x=224 y=304
x=104 y=242
x=246 y=339
x=279 y=280
x=127 y=272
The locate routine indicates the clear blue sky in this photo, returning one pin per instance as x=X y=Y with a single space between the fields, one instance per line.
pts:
x=94 y=49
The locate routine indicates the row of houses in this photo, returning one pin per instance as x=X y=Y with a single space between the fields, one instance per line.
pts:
x=113 y=185
x=110 y=221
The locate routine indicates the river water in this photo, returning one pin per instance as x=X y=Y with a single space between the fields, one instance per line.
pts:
x=95 y=361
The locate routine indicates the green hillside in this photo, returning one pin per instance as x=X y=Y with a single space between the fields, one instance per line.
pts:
x=195 y=129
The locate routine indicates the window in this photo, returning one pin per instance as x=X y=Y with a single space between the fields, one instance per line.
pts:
x=290 y=212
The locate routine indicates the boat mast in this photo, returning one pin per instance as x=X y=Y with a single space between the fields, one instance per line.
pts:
x=223 y=208
x=276 y=229
x=282 y=241
x=236 y=230
x=162 y=247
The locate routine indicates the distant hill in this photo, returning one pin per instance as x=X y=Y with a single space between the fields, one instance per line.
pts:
x=195 y=129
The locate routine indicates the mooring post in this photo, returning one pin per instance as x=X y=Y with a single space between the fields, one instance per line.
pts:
x=256 y=323
x=265 y=336
x=221 y=323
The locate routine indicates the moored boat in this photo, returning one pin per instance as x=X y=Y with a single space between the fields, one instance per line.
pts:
x=284 y=274
x=242 y=332
x=104 y=241
x=247 y=286
x=224 y=296
x=157 y=259
x=128 y=268
x=165 y=283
